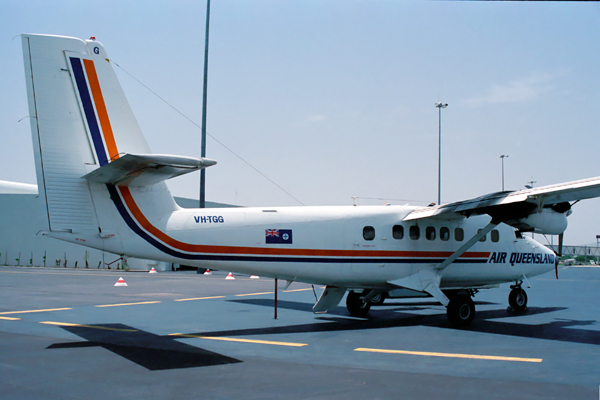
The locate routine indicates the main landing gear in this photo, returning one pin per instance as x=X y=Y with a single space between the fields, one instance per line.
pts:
x=378 y=299
x=461 y=309
x=356 y=305
x=517 y=299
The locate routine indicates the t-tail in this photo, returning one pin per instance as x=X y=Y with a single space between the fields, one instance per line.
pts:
x=94 y=168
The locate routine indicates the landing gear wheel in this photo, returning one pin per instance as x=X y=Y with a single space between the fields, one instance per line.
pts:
x=517 y=299
x=356 y=306
x=460 y=310
x=378 y=299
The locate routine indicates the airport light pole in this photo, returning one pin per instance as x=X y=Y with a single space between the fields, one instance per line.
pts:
x=503 y=156
x=439 y=107
x=205 y=87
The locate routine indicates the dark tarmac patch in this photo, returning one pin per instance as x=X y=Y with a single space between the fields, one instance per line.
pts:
x=146 y=349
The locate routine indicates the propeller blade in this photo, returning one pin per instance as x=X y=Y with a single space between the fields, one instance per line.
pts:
x=560 y=248
x=560 y=244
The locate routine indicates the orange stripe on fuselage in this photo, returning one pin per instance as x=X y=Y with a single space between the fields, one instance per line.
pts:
x=208 y=249
x=109 y=137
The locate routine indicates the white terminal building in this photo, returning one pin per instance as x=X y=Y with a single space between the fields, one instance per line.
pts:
x=23 y=219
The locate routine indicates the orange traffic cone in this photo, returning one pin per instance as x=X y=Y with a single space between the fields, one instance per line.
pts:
x=121 y=282
x=229 y=276
x=153 y=271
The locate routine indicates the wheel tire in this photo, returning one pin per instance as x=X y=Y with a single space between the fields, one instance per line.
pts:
x=460 y=311
x=517 y=299
x=378 y=299
x=356 y=306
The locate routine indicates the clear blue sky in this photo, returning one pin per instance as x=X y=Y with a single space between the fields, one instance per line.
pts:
x=334 y=99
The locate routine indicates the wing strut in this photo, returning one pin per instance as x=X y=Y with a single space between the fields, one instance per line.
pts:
x=467 y=245
x=428 y=280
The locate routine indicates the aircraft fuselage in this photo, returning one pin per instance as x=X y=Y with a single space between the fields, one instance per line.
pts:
x=366 y=246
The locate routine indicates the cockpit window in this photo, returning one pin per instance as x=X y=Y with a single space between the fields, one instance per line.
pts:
x=495 y=235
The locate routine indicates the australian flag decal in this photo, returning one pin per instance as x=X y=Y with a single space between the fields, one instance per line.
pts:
x=278 y=236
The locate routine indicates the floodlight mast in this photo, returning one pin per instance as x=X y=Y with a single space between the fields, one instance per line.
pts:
x=440 y=106
x=503 y=156
x=205 y=87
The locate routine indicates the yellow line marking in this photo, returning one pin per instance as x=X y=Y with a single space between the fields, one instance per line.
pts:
x=87 y=326
x=128 y=304
x=451 y=355
x=253 y=294
x=10 y=318
x=33 y=311
x=202 y=298
x=289 y=344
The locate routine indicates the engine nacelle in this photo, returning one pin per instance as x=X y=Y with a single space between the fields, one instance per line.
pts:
x=547 y=221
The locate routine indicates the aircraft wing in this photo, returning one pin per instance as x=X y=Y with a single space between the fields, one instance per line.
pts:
x=513 y=206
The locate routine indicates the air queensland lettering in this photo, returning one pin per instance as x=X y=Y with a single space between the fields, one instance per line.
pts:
x=497 y=258
x=209 y=219
x=531 y=258
x=521 y=258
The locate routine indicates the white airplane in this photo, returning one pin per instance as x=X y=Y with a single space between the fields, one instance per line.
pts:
x=104 y=189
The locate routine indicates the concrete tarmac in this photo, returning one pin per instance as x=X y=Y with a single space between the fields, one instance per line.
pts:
x=70 y=334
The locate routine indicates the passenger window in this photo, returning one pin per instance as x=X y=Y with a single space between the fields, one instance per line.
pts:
x=430 y=233
x=495 y=235
x=368 y=233
x=414 y=232
x=459 y=234
x=483 y=238
x=398 y=232
x=444 y=233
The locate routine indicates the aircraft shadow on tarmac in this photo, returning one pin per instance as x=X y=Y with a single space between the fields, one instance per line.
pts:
x=156 y=352
x=396 y=315
x=153 y=352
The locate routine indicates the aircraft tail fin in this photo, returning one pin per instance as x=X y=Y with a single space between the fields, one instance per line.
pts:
x=86 y=139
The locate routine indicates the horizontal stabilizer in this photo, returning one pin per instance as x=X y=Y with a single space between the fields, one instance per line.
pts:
x=146 y=169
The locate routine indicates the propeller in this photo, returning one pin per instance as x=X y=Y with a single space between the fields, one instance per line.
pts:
x=562 y=207
x=559 y=254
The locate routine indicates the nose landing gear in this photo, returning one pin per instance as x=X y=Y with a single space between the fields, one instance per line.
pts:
x=517 y=299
